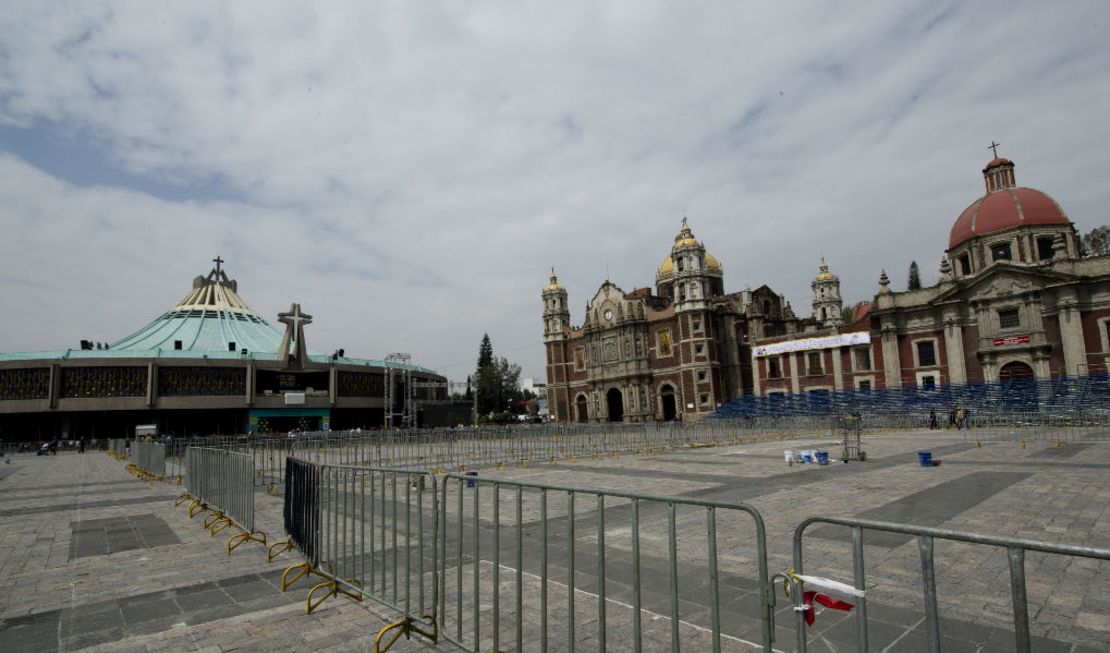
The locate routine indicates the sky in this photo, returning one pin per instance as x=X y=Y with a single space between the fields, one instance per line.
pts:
x=410 y=172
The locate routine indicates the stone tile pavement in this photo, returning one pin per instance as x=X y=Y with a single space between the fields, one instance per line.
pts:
x=93 y=559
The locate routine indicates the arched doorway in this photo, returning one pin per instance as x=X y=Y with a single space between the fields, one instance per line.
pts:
x=666 y=401
x=1015 y=371
x=615 y=400
x=582 y=411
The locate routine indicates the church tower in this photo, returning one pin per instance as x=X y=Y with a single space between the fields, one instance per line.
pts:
x=827 y=305
x=556 y=314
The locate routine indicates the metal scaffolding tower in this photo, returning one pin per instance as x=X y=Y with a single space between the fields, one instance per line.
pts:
x=398 y=365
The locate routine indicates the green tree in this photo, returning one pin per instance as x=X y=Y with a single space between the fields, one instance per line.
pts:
x=486 y=379
x=508 y=383
x=1096 y=242
x=914 y=282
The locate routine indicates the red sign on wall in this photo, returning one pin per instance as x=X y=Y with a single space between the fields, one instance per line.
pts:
x=1011 y=340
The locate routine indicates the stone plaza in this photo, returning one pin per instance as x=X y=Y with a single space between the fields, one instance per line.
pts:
x=92 y=558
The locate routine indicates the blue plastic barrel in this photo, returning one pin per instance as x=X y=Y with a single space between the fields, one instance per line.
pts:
x=822 y=457
x=925 y=458
x=470 y=481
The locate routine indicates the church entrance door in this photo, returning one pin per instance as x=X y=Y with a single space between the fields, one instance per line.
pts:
x=615 y=400
x=583 y=413
x=1015 y=371
x=667 y=401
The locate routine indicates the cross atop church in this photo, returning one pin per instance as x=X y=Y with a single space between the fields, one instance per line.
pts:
x=994 y=146
x=218 y=261
x=294 y=318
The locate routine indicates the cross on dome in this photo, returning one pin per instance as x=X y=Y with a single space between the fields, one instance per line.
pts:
x=994 y=146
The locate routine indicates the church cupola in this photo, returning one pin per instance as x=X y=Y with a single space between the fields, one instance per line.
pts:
x=689 y=273
x=828 y=307
x=999 y=173
x=556 y=313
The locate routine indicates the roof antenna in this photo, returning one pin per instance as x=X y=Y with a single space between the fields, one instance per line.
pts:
x=606 y=271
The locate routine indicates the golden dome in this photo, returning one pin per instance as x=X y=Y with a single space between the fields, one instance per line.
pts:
x=554 y=282
x=685 y=237
x=667 y=268
x=825 y=275
x=712 y=263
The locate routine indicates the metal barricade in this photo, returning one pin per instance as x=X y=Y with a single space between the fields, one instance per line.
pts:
x=149 y=457
x=223 y=481
x=1015 y=550
x=610 y=531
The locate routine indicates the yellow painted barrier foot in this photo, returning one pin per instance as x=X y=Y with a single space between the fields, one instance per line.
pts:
x=405 y=627
x=277 y=548
x=331 y=588
x=235 y=540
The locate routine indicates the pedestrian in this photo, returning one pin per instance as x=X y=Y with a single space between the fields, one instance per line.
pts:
x=951 y=417
x=961 y=416
x=932 y=418
x=81 y=445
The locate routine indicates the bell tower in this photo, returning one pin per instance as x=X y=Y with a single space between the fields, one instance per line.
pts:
x=556 y=314
x=828 y=307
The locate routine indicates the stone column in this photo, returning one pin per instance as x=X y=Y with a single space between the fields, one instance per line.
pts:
x=795 y=387
x=1071 y=333
x=755 y=377
x=838 y=376
x=892 y=366
x=954 y=345
x=151 y=384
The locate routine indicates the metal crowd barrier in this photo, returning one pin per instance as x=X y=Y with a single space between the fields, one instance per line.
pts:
x=1015 y=551
x=222 y=482
x=149 y=457
x=476 y=563
x=366 y=532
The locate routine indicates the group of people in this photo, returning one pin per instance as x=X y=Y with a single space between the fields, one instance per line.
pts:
x=958 y=417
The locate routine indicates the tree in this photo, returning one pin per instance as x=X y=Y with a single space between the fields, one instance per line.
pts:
x=1096 y=242
x=508 y=383
x=485 y=376
x=914 y=282
x=469 y=396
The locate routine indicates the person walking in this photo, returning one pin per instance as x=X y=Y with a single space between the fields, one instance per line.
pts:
x=932 y=418
x=951 y=417
x=961 y=416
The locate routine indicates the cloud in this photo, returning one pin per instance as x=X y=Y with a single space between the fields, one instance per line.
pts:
x=409 y=172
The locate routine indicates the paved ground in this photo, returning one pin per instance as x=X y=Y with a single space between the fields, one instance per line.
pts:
x=93 y=559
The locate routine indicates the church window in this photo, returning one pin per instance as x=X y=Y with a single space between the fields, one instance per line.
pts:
x=1009 y=318
x=815 y=368
x=1001 y=252
x=579 y=359
x=822 y=313
x=698 y=349
x=681 y=264
x=701 y=376
x=865 y=385
x=704 y=399
x=177 y=344
x=697 y=325
x=928 y=382
x=664 y=342
x=766 y=307
x=1044 y=249
x=926 y=353
x=774 y=368
x=965 y=265
x=863 y=359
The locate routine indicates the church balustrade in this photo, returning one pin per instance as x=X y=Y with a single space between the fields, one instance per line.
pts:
x=24 y=384
x=201 y=381
x=103 y=382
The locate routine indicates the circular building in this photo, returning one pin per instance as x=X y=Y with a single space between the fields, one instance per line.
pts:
x=209 y=364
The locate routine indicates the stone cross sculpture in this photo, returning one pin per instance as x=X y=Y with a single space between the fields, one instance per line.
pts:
x=294 y=321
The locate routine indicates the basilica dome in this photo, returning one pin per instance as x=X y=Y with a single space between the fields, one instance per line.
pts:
x=1005 y=206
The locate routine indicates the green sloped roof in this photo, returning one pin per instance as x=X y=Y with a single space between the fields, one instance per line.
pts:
x=211 y=321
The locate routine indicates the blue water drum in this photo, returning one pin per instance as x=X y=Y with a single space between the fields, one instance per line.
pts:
x=925 y=458
x=822 y=457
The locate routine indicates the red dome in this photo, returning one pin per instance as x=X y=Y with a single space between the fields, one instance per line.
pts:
x=1006 y=209
x=998 y=161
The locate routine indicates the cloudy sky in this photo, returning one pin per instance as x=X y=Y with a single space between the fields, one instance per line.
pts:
x=410 y=171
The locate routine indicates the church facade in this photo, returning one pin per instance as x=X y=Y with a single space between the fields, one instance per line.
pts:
x=673 y=353
x=1015 y=300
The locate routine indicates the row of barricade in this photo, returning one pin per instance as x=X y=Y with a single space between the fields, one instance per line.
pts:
x=149 y=459
x=220 y=485
x=461 y=448
x=485 y=563
x=117 y=447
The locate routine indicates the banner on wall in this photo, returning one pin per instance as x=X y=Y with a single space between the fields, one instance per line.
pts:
x=804 y=344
